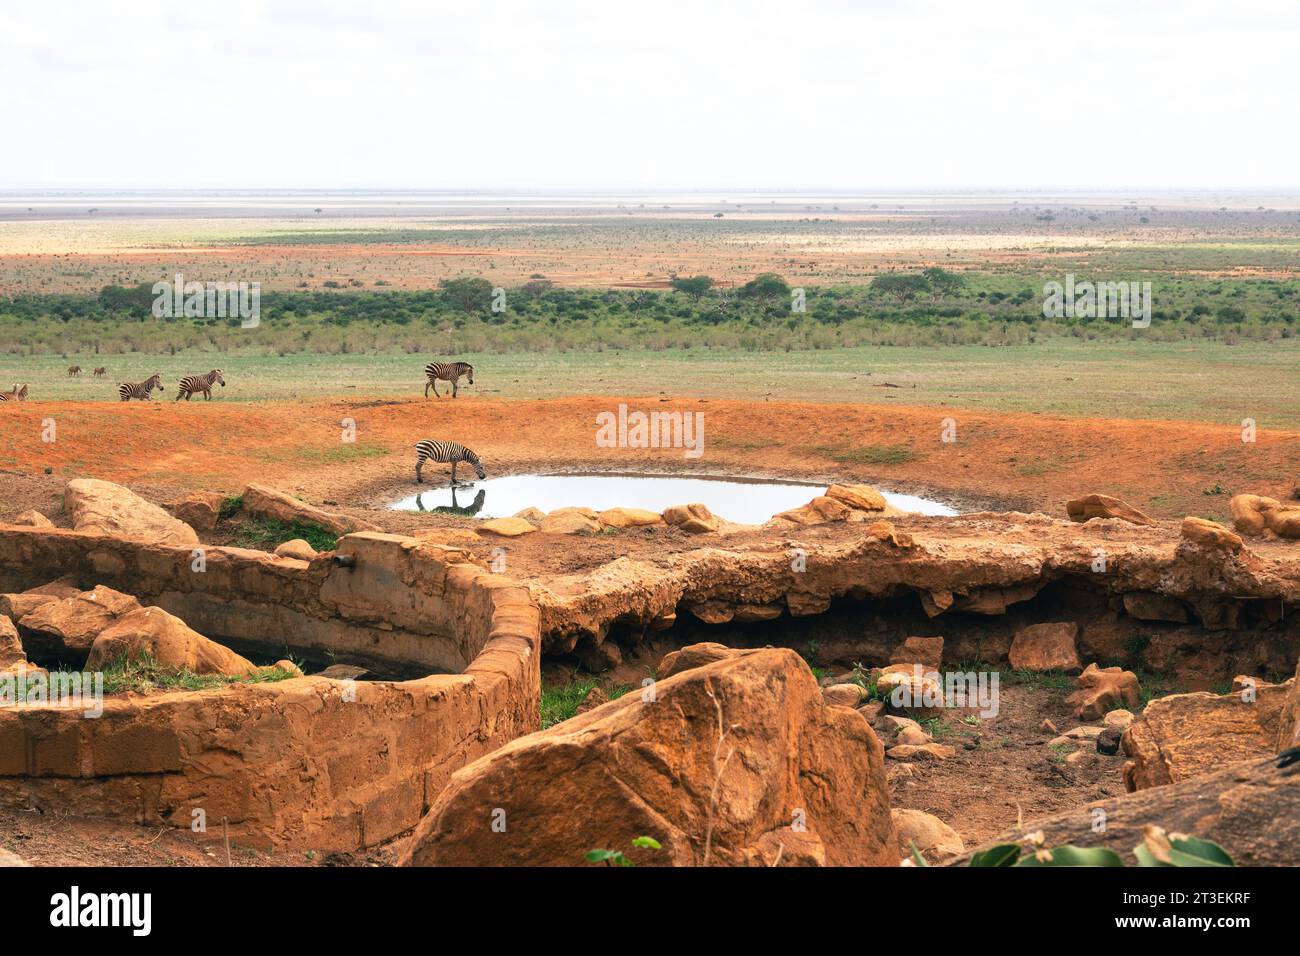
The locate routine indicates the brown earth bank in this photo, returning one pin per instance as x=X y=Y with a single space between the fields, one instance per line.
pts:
x=1004 y=461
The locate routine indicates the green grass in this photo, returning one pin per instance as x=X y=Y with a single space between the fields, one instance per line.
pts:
x=561 y=703
x=867 y=455
x=1043 y=680
x=143 y=674
x=266 y=532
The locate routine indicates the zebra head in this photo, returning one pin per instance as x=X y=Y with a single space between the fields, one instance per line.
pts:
x=478 y=468
x=469 y=370
x=219 y=377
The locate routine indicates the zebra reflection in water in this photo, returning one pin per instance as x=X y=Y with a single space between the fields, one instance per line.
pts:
x=466 y=511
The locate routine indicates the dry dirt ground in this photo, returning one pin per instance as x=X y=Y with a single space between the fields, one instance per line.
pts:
x=1003 y=766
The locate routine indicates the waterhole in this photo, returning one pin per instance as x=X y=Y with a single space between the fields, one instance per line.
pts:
x=747 y=501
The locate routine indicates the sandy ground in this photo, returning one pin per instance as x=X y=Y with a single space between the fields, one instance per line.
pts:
x=1003 y=461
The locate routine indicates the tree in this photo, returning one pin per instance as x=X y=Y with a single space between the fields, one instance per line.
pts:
x=694 y=286
x=766 y=285
x=902 y=286
x=470 y=293
x=943 y=282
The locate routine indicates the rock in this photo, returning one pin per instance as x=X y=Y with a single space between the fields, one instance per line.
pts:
x=818 y=511
x=843 y=695
x=1253 y=515
x=571 y=521
x=169 y=641
x=891 y=725
x=17 y=606
x=506 y=527
x=629 y=517
x=751 y=613
x=200 y=510
x=1147 y=606
x=65 y=629
x=692 y=518
x=296 y=548
x=287 y=666
x=926 y=651
x=449 y=537
x=1118 y=719
x=106 y=508
x=872 y=709
x=1104 y=506
x=531 y=514
x=1108 y=741
x=277 y=506
x=1189 y=735
x=598 y=658
x=697 y=655
x=885 y=532
x=931 y=837
x=912 y=736
x=11 y=859
x=858 y=497
x=1250 y=809
x=31 y=519
x=1288 y=722
x=1210 y=534
x=1046 y=647
x=1047 y=726
x=595 y=697
x=1083 y=733
x=1103 y=689
x=734 y=753
x=920 y=752
x=910 y=686
x=11 y=647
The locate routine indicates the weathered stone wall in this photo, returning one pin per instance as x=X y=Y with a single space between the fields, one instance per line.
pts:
x=307 y=762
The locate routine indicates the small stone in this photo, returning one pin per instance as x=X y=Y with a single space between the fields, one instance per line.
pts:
x=845 y=695
x=922 y=752
x=296 y=548
x=913 y=736
x=1108 y=741
x=31 y=519
x=1119 y=719
x=1048 y=727
x=872 y=709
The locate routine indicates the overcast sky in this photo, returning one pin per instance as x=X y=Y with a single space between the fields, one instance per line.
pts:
x=665 y=94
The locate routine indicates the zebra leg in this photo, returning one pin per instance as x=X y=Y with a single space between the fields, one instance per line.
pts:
x=419 y=479
x=455 y=386
x=207 y=394
x=434 y=383
x=426 y=389
x=453 y=474
x=180 y=394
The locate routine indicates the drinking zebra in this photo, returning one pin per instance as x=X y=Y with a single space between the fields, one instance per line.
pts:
x=193 y=384
x=16 y=394
x=141 y=390
x=445 y=452
x=100 y=372
x=448 y=372
x=74 y=371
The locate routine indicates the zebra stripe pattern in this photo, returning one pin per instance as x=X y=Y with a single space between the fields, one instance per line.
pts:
x=447 y=372
x=141 y=390
x=193 y=384
x=445 y=452
x=17 y=394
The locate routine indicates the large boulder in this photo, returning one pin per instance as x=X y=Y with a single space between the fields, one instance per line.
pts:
x=17 y=606
x=697 y=655
x=1104 y=506
x=931 y=837
x=1209 y=534
x=820 y=510
x=169 y=641
x=629 y=517
x=11 y=647
x=1046 y=647
x=1189 y=735
x=571 y=521
x=1149 y=606
x=507 y=527
x=277 y=506
x=297 y=549
x=858 y=497
x=30 y=519
x=200 y=510
x=693 y=518
x=1255 y=514
x=65 y=629
x=736 y=763
x=1251 y=809
x=110 y=509
x=1102 y=689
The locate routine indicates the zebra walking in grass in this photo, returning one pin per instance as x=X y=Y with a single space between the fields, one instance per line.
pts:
x=445 y=452
x=141 y=390
x=100 y=372
x=193 y=384
x=448 y=372
x=74 y=371
x=16 y=394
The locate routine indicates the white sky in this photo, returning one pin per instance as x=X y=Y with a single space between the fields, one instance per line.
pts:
x=811 y=94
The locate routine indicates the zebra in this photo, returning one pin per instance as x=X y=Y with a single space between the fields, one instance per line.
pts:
x=445 y=452
x=448 y=372
x=141 y=390
x=193 y=384
x=74 y=371
x=100 y=372
x=16 y=394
